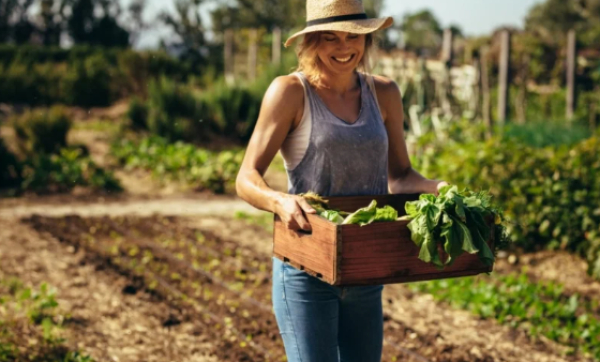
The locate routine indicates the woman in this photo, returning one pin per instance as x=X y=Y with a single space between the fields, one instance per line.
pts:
x=340 y=132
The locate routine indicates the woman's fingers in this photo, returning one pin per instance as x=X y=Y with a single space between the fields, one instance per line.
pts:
x=306 y=206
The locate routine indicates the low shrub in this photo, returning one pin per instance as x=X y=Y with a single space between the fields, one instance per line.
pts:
x=89 y=82
x=138 y=114
x=50 y=173
x=200 y=168
x=175 y=112
x=549 y=193
x=42 y=130
x=10 y=168
x=30 y=325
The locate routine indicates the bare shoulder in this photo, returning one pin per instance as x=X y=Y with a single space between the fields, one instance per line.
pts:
x=284 y=101
x=385 y=86
x=286 y=87
x=388 y=96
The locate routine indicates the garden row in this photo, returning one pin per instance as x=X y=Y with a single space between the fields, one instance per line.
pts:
x=30 y=323
x=222 y=283
x=540 y=308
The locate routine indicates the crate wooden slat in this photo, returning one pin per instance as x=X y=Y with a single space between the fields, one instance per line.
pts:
x=379 y=253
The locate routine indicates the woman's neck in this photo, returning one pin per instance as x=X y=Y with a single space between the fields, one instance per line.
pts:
x=339 y=83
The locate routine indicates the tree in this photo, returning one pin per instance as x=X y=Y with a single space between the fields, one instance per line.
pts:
x=86 y=27
x=422 y=32
x=14 y=21
x=552 y=20
x=52 y=15
x=259 y=14
x=187 y=25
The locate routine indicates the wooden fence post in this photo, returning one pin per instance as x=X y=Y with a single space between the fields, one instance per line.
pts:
x=446 y=83
x=252 y=53
x=276 y=46
x=485 y=89
x=571 y=54
x=228 y=39
x=503 y=90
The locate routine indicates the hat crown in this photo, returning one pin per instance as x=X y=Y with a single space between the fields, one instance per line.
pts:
x=319 y=9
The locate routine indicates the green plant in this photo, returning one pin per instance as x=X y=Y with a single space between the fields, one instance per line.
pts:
x=138 y=113
x=88 y=82
x=10 y=168
x=455 y=220
x=42 y=130
x=175 y=112
x=63 y=171
x=215 y=171
x=544 y=134
x=540 y=308
x=549 y=194
x=30 y=323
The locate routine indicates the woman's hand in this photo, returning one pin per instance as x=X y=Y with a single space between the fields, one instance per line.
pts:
x=290 y=209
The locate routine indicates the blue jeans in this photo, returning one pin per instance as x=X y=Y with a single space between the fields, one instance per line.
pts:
x=323 y=323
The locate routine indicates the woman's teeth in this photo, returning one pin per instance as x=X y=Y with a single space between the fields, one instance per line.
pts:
x=343 y=60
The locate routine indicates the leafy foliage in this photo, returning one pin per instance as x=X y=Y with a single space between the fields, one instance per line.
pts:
x=10 y=168
x=30 y=323
x=42 y=130
x=542 y=309
x=62 y=171
x=457 y=221
x=549 y=194
x=214 y=171
x=82 y=76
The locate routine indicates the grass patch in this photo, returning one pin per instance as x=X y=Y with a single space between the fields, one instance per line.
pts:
x=264 y=220
x=540 y=308
x=30 y=323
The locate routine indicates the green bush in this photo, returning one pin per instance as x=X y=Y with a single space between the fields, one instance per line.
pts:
x=138 y=113
x=42 y=130
x=88 y=82
x=175 y=112
x=544 y=134
x=550 y=193
x=44 y=173
x=10 y=168
x=233 y=110
x=205 y=170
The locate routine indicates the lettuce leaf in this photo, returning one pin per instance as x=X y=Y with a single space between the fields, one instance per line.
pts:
x=363 y=216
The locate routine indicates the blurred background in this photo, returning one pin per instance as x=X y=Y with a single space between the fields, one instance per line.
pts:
x=123 y=125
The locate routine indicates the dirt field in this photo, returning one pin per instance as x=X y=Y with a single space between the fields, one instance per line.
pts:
x=203 y=293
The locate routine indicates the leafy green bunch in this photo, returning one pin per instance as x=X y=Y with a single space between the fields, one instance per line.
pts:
x=455 y=221
x=362 y=216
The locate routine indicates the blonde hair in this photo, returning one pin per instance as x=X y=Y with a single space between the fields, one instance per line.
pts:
x=310 y=64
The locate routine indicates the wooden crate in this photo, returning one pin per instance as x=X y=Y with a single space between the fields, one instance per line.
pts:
x=379 y=253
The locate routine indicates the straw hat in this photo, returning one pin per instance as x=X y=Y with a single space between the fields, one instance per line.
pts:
x=339 y=15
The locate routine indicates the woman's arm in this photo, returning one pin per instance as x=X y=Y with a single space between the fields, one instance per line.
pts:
x=402 y=178
x=282 y=104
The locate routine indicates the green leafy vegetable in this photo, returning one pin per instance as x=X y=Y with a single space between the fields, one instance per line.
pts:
x=362 y=216
x=456 y=221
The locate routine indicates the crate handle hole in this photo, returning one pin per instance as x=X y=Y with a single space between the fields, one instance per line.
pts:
x=319 y=275
x=286 y=260
x=301 y=267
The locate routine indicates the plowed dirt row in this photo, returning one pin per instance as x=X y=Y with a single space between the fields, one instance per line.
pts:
x=416 y=328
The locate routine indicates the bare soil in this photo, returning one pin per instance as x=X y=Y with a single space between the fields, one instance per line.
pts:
x=116 y=319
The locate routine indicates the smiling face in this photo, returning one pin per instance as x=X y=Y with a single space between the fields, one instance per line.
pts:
x=326 y=52
x=340 y=52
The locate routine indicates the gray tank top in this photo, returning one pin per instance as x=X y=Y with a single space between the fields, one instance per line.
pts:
x=343 y=159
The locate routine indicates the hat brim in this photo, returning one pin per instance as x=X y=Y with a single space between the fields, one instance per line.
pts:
x=363 y=26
